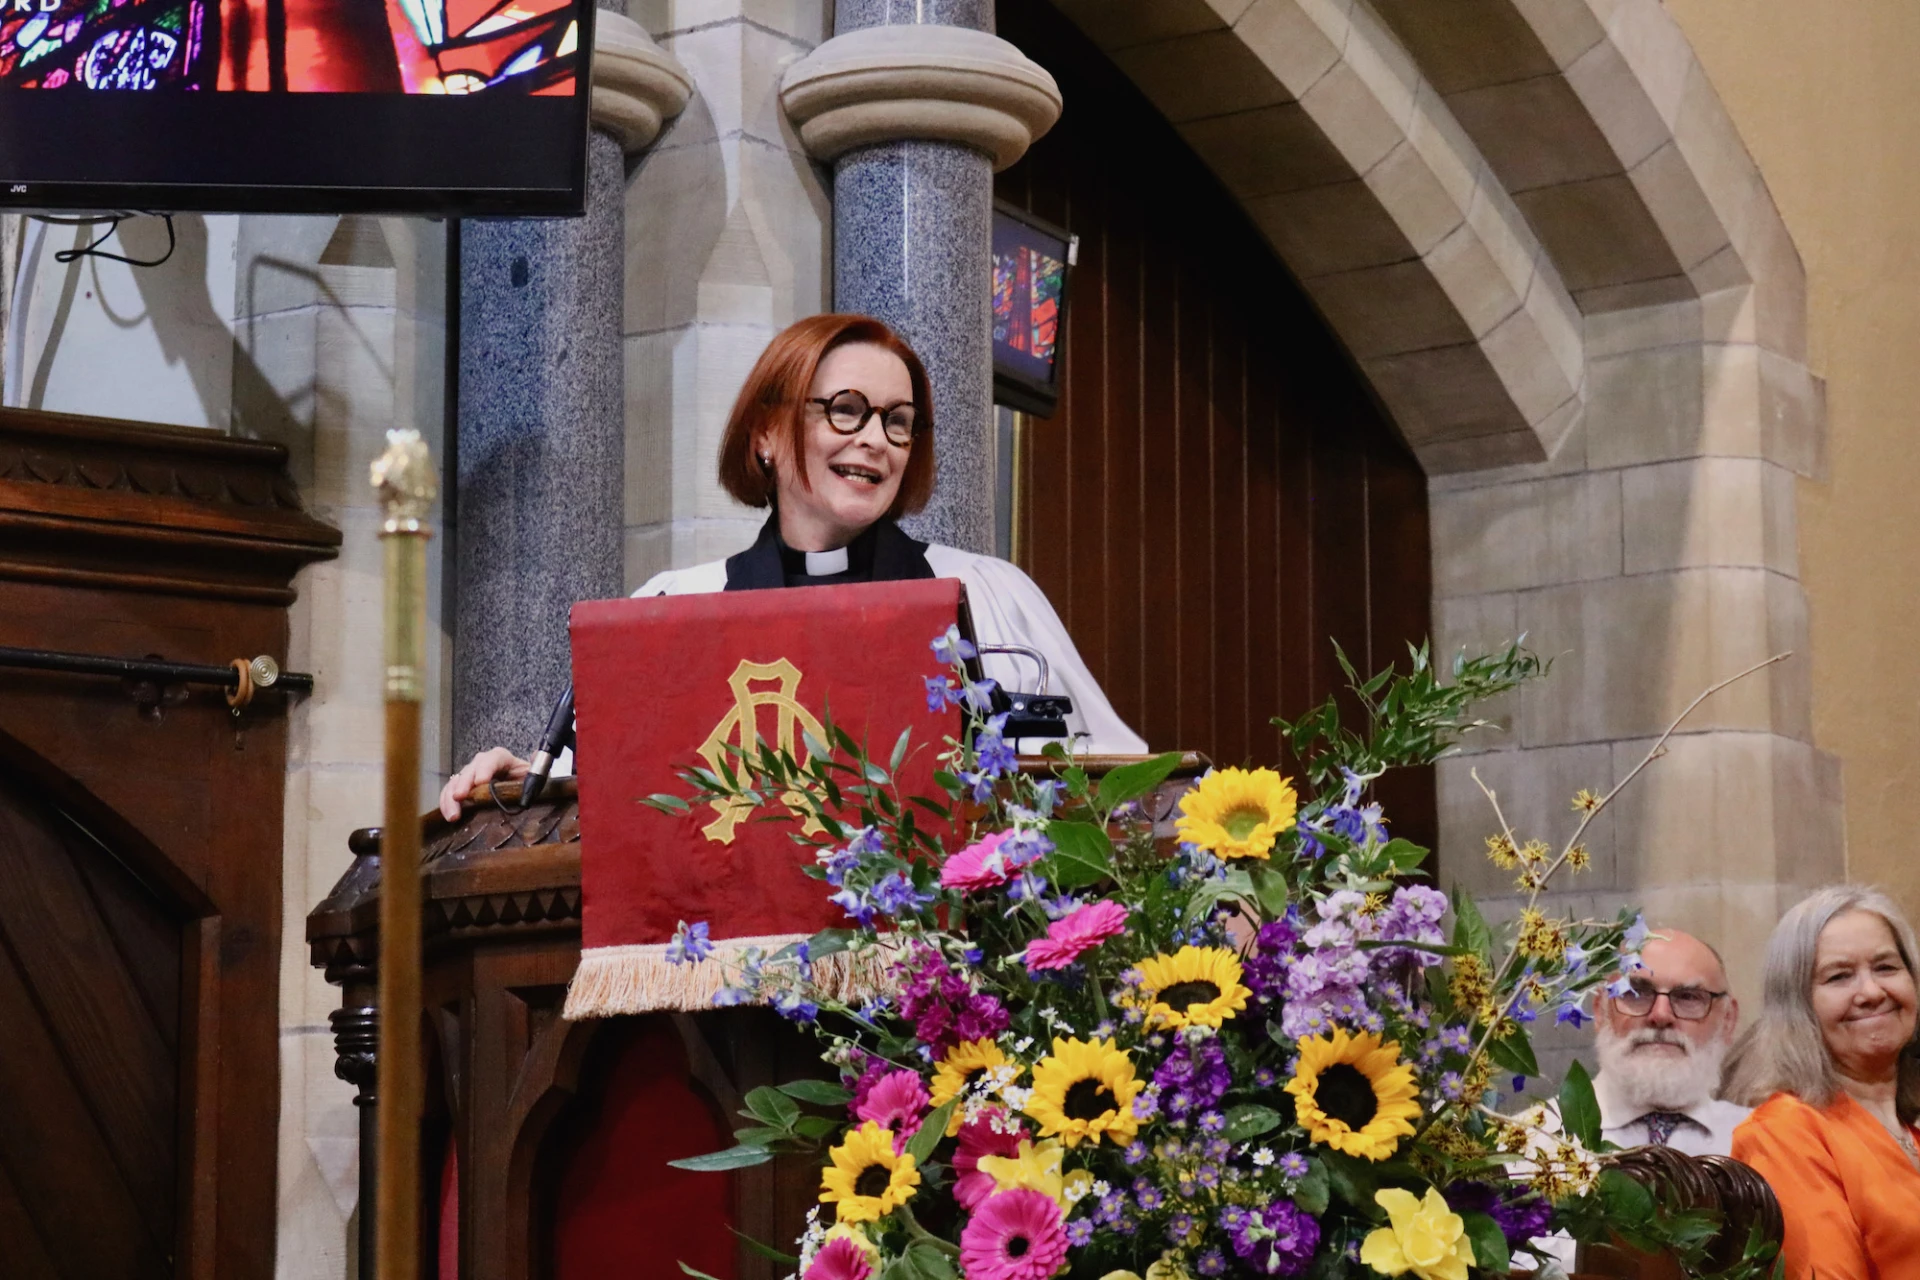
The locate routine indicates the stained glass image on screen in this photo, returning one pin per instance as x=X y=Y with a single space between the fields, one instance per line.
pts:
x=1031 y=262
x=298 y=46
x=1026 y=306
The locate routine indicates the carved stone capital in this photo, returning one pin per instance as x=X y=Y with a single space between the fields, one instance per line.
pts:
x=637 y=85
x=893 y=83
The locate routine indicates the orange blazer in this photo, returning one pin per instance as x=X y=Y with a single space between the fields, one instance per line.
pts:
x=1850 y=1197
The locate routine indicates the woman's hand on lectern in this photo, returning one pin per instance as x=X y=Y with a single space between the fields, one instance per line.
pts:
x=484 y=767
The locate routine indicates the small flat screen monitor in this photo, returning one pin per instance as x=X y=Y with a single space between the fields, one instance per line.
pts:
x=295 y=106
x=1031 y=262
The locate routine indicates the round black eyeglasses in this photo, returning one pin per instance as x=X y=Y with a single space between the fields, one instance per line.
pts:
x=1689 y=1004
x=848 y=411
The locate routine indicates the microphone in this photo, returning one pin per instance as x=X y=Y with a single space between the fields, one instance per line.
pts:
x=557 y=738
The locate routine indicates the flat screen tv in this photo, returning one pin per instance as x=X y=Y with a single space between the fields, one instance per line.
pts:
x=1031 y=262
x=295 y=106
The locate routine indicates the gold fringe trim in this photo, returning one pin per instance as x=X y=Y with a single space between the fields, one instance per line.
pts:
x=638 y=979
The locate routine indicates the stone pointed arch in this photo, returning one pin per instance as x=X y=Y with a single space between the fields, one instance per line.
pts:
x=1323 y=126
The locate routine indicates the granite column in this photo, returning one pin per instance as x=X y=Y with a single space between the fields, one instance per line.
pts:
x=917 y=103
x=541 y=413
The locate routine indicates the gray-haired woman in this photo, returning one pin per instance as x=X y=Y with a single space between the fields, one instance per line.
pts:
x=1831 y=1066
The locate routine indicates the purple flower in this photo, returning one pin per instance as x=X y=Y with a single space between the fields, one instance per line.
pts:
x=1193 y=1078
x=1451 y=1086
x=1208 y=1176
x=1293 y=1165
x=1210 y=1263
x=1278 y=1240
x=690 y=944
x=1234 y=1217
x=950 y=648
x=1148 y=1196
x=1079 y=1232
x=1263 y=1078
x=943 y=1006
x=1520 y=1213
x=1136 y=1152
x=1212 y=1122
x=940 y=693
x=790 y=1005
x=1179 y=1227
x=996 y=757
x=856 y=905
x=896 y=896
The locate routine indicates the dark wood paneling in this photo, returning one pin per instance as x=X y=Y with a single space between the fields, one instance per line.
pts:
x=1218 y=497
x=88 y=1091
x=139 y=1088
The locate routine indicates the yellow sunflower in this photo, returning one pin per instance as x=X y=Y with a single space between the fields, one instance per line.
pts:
x=1354 y=1094
x=959 y=1067
x=867 y=1180
x=1193 y=987
x=1085 y=1090
x=1237 y=813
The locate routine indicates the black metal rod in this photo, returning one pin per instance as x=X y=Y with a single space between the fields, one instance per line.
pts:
x=148 y=668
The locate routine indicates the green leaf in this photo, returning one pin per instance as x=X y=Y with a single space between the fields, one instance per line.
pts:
x=1353 y=1181
x=765 y=1250
x=1131 y=781
x=1311 y=1195
x=1271 y=888
x=821 y=1093
x=1490 y=1254
x=900 y=749
x=1431 y=948
x=1082 y=855
x=1076 y=779
x=741 y=1157
x=815 y=1127
x=929 y=1263
x=827 y=942
x=932 y=1129
x=1515 y=1053
x=1469 y=926
x=770 y=1106
x=695 y=1272
x=1579 y=1109
x=668 y=804
x=1237 y=884
x=758 y=1136
x=1250 y=1121
x=1628 y=1203
x=1403 y=855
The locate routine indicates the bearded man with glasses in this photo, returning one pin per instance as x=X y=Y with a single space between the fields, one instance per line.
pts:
x=1661 y=1042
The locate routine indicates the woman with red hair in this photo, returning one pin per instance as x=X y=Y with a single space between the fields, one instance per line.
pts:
x=833 y=432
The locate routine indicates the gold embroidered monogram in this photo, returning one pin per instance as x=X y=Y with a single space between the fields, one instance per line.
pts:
x=741 y=728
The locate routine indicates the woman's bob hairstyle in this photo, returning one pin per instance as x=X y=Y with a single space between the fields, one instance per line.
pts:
x=1784 y=1051
x=774 y=400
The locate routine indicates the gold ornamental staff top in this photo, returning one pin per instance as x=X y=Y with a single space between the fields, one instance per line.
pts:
x=404 y=479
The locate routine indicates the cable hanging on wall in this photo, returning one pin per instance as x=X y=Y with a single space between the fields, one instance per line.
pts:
x=112 y=222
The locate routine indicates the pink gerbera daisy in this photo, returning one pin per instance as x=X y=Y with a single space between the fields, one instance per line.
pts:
x=839 y=1259
x=1015 y=1235
x=977 y=867
x=1077 y=932
x=979 y=1137
x=898 y=1102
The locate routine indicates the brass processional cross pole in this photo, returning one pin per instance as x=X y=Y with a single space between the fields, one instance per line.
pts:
x=403 y=477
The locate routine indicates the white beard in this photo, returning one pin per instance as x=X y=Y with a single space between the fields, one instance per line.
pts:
x=1659 y=1082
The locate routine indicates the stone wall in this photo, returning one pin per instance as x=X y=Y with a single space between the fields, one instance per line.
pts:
x=1827 y=101
x=728 y=227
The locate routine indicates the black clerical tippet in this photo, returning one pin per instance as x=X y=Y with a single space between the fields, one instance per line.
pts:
x=881 y=554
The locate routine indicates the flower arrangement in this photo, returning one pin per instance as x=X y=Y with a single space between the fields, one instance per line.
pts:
x=1262 y=1048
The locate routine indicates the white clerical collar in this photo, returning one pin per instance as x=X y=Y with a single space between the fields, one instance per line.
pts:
x=822 y=563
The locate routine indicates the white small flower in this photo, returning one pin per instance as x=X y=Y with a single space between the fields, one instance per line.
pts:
x=1076 y=1189
x=1023 y=1044
x=1262 y=1158
x=1100 y=1188
x=1016 y=1097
